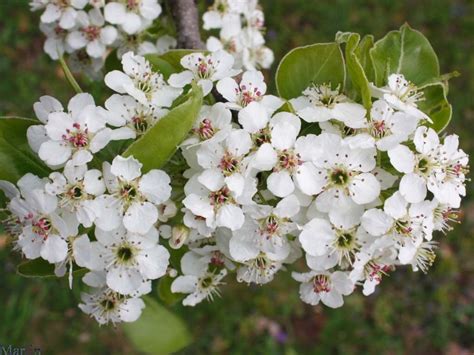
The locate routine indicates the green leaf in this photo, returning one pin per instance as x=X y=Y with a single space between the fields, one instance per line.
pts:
x=160 y=65
x=436 y=105
x=363 y=53
x=407 y=52
x=320 y=63
x=354 y=67
x=157 y=331
x=41 y=268
x=112 y=62
x=16 y=156
x=164 y=291
x=157 y=145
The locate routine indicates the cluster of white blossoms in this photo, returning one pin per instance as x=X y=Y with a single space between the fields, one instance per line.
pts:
x=241 y=26
x=88 y=30
x=353 y=201
x=93 y=214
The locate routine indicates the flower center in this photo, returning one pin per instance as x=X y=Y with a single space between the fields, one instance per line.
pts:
x=132 y=5
x=140 y=124
x=407 y=91
x=229 y=164
x=248 y=95
x=217 y=258
x=147 y=81
x=220 y=197
x=261 y=137
x=107 y=304
x=77 y=137
x=60 y=32
x=269 y=226
x=91 y=32
x=403 y=227
x=321 y=283
x=379 y=129
x=376 y=271
x=288 y=160
x=205 y=130
x=42 y=227
x=63 y=3
x=339 y=177
x=206 y=282
x=124 y=254
x=345 y=240
x=205 y=69
x=128 y=192
x=76 y=192
x=323 y=95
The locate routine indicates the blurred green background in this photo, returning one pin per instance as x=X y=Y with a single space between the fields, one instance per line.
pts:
x=410 y=312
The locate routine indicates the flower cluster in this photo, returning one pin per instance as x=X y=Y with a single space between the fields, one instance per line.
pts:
x=260 y=185
x=241 y=25
x=89 y=29
x=90 y=213
x=359 y=198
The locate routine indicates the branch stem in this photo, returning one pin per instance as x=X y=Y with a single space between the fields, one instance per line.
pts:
x=69 y=76
x=186 y=17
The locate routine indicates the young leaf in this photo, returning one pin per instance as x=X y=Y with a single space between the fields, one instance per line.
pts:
x=157 y=145
x=407 y=52
x=354 y=67
x=157 y=331
x=315 y=64
x=16 y=157
x=436 y=105
x=165 y=294
x=41 y=268
x=363 y=53
x=160 y=65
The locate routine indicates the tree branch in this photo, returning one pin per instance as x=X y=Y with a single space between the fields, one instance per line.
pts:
x=186 y=17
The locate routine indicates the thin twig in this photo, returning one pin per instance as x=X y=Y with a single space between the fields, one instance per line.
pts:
x=69 y=76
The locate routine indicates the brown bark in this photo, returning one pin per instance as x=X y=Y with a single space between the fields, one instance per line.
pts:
x=186 y=18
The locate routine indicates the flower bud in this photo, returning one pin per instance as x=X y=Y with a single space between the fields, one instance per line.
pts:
x=179 y=235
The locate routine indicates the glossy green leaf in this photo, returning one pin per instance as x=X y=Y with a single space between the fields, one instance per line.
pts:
x=157 y=145
x=164 y=292
x=16 y=156
x=408 y=52
x=315 y=64
x=41 y=268
x=160 y=65
x=358 y=79
x=436 y=105
x=157 y=331
x=112 y=62
x=363 y=53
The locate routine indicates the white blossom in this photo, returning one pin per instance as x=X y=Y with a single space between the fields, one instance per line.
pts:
x=204 y=69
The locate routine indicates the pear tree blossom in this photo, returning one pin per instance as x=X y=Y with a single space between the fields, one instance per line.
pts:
x=141 y=82
x=127 y=258
x=205 y=70
x=132 y=198
x=194 y=175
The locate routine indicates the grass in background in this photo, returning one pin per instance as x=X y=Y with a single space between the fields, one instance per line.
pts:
x=410 y=313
